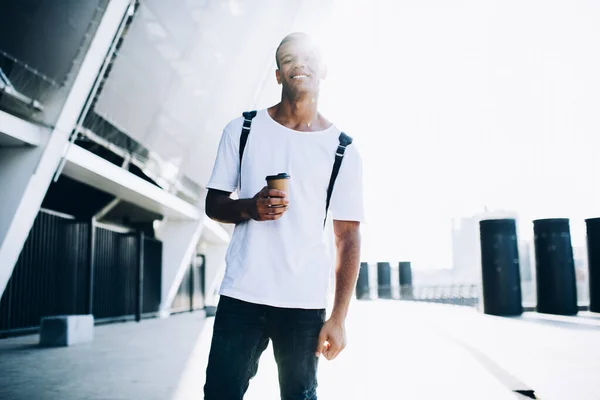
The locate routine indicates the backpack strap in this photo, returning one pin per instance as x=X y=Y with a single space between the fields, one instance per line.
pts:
x=248 y=116
x=345 y=141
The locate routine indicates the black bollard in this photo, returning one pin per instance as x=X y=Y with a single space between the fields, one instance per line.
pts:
x=405 y=279
x=556 y=286
x=362 y=284
x=593 y=248
x=500 y=267
x=384 y=280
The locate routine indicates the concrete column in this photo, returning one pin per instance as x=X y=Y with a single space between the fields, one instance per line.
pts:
x=500 y=267
x=179 y=239
x=556 y=286
x=384 y=280
x=405 y=279
x=593 y=247
x=26 y=173
x=362 y=284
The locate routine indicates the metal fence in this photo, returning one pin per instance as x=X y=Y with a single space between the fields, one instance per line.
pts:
x=152 y=279
x=115 y=274
x=49 y=277
x=52 y=275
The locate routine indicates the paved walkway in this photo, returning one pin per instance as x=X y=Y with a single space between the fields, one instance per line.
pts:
x=396 y=351
x=126 y=361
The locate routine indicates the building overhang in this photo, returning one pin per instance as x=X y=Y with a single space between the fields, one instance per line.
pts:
x=86 y=167
x=15 y=131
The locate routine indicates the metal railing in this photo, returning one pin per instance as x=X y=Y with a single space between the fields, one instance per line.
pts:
x=458 y=294
x=466 y=294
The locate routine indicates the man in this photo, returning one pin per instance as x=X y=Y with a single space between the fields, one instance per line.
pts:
x=277 y=265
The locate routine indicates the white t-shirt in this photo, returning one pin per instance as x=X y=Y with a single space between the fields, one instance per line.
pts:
x=285 y=263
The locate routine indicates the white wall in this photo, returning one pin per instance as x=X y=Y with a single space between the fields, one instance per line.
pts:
x=180 y=239
x=215 y=268
x=17 y=165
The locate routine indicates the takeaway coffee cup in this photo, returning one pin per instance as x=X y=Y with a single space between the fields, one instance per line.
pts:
x=279 y=182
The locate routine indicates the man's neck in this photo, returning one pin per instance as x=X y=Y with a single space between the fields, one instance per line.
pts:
x=300 y=114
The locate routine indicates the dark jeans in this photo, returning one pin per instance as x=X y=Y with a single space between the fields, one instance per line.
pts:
x=241 y=333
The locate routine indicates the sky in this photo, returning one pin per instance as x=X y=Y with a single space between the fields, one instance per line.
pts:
x=458 y=106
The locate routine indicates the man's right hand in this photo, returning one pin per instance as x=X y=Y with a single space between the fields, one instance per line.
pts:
x=268 y=205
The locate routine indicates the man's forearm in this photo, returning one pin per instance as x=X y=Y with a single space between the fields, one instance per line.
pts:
x=229 y=211
x=346 y=273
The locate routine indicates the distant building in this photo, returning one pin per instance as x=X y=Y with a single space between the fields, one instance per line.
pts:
x=466 y=250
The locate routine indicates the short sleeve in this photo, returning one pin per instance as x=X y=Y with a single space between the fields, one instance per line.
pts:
x=347 y=203
x=225 y=174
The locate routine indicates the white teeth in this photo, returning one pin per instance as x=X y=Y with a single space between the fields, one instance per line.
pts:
x=299 y=76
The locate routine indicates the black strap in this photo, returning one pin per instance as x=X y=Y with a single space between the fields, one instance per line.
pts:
x=248 y=116
x=345 y=141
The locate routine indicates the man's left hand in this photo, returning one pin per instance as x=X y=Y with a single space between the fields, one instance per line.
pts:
x=332 y=339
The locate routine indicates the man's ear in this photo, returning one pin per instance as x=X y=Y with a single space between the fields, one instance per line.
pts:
x=278 y=76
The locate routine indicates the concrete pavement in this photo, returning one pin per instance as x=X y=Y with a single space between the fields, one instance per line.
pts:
x=126 y=361
x=396 y=350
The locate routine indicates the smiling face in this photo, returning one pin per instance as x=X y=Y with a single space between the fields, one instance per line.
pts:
x=300 y=68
